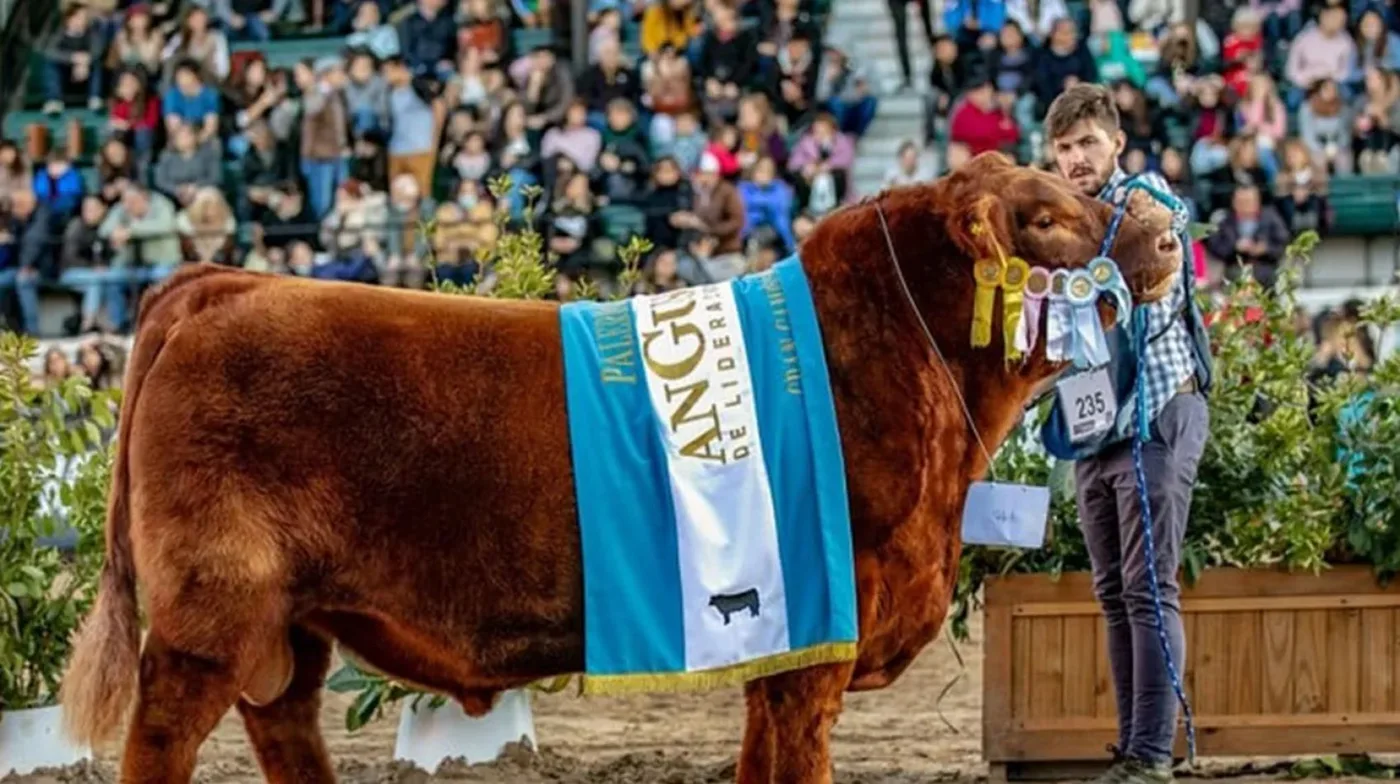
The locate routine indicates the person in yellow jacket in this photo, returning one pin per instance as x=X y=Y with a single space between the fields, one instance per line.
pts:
x=672 y=22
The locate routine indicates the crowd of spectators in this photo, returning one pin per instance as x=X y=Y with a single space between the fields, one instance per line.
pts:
x=720 y=130
x=1248 y=113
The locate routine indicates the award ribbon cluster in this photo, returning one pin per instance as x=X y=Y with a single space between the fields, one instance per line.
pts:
x=1072 y=328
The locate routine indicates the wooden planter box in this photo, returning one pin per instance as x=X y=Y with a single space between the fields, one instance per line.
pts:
x=1278 y=665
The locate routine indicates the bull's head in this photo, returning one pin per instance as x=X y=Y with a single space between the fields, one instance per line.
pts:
x=1044 y=220
x=989 y=207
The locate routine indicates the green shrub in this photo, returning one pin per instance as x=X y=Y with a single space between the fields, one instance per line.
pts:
x=44 y=592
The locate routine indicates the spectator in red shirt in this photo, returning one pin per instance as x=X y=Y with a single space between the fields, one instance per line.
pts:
x=981 y=123
x=1243 y=49
x=135 y=112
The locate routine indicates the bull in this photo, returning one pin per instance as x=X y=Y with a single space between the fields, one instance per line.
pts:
x=304 y=463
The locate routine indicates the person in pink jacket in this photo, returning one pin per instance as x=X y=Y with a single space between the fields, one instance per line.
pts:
x=822 y=161
x=1323 y=51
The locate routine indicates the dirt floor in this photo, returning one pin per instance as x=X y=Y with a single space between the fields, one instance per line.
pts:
x=900 y=735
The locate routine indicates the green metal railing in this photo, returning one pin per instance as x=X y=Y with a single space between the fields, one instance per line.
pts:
x=22 y=23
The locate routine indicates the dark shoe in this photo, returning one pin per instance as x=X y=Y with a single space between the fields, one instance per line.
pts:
x=1116 y=774
x=1143 y=772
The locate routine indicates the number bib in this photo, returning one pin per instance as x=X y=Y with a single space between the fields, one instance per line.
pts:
x=1088 y=404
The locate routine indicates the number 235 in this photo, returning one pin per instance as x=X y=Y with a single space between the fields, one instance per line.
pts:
x=1091 y=405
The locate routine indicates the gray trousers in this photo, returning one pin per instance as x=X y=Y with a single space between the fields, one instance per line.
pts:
x=1110 y=515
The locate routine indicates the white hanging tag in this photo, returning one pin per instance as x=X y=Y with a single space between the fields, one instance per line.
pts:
x=998 y=514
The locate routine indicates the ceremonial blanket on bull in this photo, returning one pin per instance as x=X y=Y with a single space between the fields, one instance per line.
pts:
x=711 y=490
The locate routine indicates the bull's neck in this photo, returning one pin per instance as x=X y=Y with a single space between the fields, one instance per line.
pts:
x=891 y=380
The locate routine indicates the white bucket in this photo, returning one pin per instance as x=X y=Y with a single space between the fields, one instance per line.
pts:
x=429 y=736
x=34 y=738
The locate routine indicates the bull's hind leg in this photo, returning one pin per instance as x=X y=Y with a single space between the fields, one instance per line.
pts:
x=182 y=697
x=286 y=732
x=803 y=706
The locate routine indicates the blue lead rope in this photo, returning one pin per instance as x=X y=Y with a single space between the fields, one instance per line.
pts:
x=1143 y=435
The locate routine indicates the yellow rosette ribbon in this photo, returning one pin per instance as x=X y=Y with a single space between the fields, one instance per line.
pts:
x=1013 y=285
x=988 y=274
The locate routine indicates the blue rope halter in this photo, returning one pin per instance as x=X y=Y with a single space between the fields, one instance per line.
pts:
x=1139 y=335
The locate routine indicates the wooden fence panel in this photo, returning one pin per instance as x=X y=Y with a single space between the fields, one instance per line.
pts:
x=1277 y=664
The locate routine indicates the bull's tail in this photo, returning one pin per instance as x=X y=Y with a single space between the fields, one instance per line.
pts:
x=100 y=683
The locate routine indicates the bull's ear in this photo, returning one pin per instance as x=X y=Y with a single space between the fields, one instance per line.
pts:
x=982 y=228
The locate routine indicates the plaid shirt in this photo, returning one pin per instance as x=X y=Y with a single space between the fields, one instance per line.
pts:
x=1170 y=358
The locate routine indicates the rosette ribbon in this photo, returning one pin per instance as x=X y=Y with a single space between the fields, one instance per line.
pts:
x=1014 y=276
x=1109 y=280
x=988 y=275
x=1032 y=304
x=1089 y=346
x=1058 y=319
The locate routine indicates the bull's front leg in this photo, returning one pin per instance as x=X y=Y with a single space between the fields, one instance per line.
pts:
x=756 y=756
x=803 y=706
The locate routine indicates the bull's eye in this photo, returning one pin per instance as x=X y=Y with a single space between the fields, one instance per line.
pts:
x=1044 y=222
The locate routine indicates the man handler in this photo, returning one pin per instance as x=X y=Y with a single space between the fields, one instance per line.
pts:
x=1083 y=127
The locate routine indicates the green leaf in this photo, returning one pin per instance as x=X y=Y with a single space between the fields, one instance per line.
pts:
x=349 y=678
x=363 y=709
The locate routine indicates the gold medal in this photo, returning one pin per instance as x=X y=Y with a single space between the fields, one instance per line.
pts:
x=1102 y=273
x=987 y=273
x=1038 y=282
x=1081 y=288
x=1013 y=283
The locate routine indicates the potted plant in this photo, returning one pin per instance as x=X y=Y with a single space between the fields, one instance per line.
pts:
x=432 y=728
x=1294 y=533
x=55 y=461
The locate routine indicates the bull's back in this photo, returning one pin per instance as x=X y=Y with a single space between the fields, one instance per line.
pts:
x=379 y=443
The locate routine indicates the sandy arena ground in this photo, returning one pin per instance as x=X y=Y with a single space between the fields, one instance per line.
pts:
x=900 y=735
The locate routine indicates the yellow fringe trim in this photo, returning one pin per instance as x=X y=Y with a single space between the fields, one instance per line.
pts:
x=720 y=677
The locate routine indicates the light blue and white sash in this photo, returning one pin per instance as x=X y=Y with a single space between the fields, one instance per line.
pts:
x=710 y=483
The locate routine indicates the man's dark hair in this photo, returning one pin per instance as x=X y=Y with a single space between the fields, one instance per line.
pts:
x=1083 y=101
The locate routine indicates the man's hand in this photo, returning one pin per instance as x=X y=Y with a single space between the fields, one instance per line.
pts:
x=120 y=236
x=236 y=21
x=1145 y=209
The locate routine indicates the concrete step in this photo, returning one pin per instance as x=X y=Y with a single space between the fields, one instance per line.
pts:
x=885 y=146
x=877 y=31
x=862 y=11
x=869 y=166
x=904 y=105
x=871 y=181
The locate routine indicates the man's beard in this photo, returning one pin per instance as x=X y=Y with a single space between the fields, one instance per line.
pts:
x=1088 y=179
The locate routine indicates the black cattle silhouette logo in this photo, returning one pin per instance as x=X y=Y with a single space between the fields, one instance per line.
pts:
x=728 y=603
